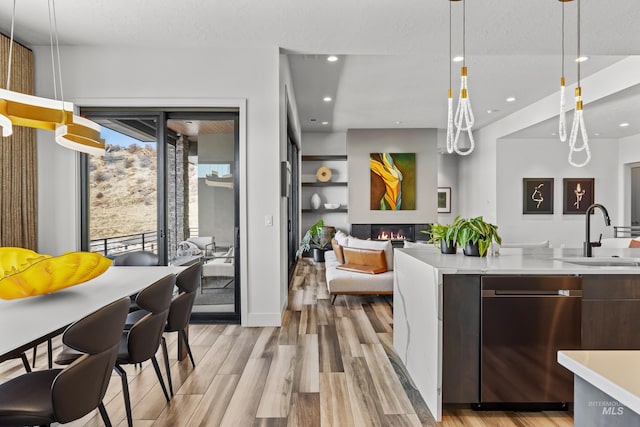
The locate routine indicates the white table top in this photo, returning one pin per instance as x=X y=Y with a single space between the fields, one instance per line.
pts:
x=25 y=320
x=615 y=372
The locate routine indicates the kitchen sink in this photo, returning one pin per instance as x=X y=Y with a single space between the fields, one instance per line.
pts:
x=602 y=261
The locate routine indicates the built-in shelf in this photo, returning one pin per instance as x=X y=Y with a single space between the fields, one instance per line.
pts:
x=324 y=184
x=324 y=158
x=339 y=210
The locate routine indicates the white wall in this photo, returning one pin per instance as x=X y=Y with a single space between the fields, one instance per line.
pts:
x=288 y=108
x=129 y=77
x=628 y=156
x=547 y=158
x=362 y=142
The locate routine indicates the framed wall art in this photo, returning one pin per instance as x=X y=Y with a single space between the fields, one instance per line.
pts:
x=537 y=196
x=577 y=195
x=444 y=199
x=393 y=181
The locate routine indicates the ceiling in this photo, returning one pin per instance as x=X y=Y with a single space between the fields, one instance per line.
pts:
x=393 y=56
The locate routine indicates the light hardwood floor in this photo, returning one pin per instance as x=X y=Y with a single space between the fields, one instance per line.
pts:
x=326 y=366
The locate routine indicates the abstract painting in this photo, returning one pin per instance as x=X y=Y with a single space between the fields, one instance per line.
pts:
x=578 y=195
x=393 y=181
x=537 y=195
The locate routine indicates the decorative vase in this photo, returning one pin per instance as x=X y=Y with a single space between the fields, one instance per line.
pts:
x=315 y=201
x=447 y=247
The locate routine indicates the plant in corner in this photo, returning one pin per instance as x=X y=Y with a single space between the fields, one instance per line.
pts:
x=318 y=237
x=444 y=236
x=475 y=235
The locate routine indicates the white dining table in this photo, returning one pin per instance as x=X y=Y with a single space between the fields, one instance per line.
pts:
x=27 y=321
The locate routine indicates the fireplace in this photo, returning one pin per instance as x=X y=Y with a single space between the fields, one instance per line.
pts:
x=397 y=233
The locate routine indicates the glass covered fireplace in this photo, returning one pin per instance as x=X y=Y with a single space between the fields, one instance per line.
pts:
x=392 y=232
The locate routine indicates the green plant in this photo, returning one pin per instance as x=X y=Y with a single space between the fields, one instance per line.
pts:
x=443 y=233
x=314 y=238
x=476 y=230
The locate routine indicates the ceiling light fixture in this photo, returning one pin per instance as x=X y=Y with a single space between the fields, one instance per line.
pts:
x=623 y=125
x=582 y=59
x=463 y=119
x=578 y=117
x=325 y=123
x=456 y=58
x=20 y=109
x=449 y=140
x=562 y=122
x=332 y=58
x=327 y=99
x=510 y=99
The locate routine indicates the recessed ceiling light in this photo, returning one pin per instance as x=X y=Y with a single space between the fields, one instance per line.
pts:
x=327 y=99
x=510 y=99
x=582 y=59
x=623 y=125
x=332 y=58
x=492 y=111
x=325 y=123
x=398 y=122
x=554 y=134
x=312 y=120
x=458 y=58
x=597 y=134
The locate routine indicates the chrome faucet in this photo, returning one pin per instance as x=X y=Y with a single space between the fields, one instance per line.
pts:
x=588 y=245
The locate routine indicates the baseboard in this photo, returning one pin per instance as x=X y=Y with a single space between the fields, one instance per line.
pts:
x=264 y=319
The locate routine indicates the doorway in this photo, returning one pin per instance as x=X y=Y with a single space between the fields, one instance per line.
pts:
x=179 y=199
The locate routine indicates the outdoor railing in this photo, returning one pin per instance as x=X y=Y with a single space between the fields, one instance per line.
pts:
x=118 y=245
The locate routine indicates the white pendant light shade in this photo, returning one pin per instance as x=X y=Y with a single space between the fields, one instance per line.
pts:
x=562 y=122
x=81 y=135
x=464 y=118
x=579 y=129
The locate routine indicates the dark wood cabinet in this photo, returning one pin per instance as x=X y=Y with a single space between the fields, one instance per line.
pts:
x=461 y=339
x=610 y=312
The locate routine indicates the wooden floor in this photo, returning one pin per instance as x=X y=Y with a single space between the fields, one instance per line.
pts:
x=326 y=366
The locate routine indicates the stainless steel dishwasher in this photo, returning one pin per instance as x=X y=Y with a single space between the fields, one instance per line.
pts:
x=525 y=321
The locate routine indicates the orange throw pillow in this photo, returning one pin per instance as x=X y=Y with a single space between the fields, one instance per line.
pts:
x=337 y=249
x=372 y=261
x=633 y=243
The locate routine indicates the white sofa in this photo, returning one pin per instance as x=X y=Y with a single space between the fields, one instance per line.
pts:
x=350 y=282
x=221 y=265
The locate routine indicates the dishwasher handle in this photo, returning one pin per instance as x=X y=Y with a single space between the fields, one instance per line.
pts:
x=488 y=293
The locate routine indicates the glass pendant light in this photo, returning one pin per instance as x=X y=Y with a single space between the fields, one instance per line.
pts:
x=578 y=119
x=450 y=98
x=562 y=123
x=463 y=119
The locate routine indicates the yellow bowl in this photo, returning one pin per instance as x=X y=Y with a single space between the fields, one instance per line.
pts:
x=26 y=273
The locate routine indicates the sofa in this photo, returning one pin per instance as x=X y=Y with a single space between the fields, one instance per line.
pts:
x=343 y=277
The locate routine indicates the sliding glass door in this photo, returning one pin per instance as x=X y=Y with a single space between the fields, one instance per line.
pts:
x=178 y=198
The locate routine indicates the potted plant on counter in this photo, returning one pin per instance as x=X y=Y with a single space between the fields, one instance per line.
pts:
x=444 y=236
x=317 y=239
x=475 y=235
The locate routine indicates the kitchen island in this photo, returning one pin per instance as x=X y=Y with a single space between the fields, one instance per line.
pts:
x=437 y=309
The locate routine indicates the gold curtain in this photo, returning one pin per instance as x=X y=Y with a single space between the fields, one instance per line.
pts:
x=18 y=166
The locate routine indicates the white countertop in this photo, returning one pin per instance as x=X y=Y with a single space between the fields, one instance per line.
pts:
x=524 y=261
x=615 y=372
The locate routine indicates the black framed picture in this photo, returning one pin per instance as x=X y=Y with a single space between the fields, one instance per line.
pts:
x=577 y=195
x=537 y=195
x=444 y=199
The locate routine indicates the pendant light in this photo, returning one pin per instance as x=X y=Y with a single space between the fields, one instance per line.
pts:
x=20 y=109
x=578 y=118
x=450 y=98
x=562 y=123
x=463 y=119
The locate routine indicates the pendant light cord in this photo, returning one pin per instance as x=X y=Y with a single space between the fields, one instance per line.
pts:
x=450 y=44
x=578 y=57
x=562 y=39
x=13 y=20
x=53 y=30
x=464 y=33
